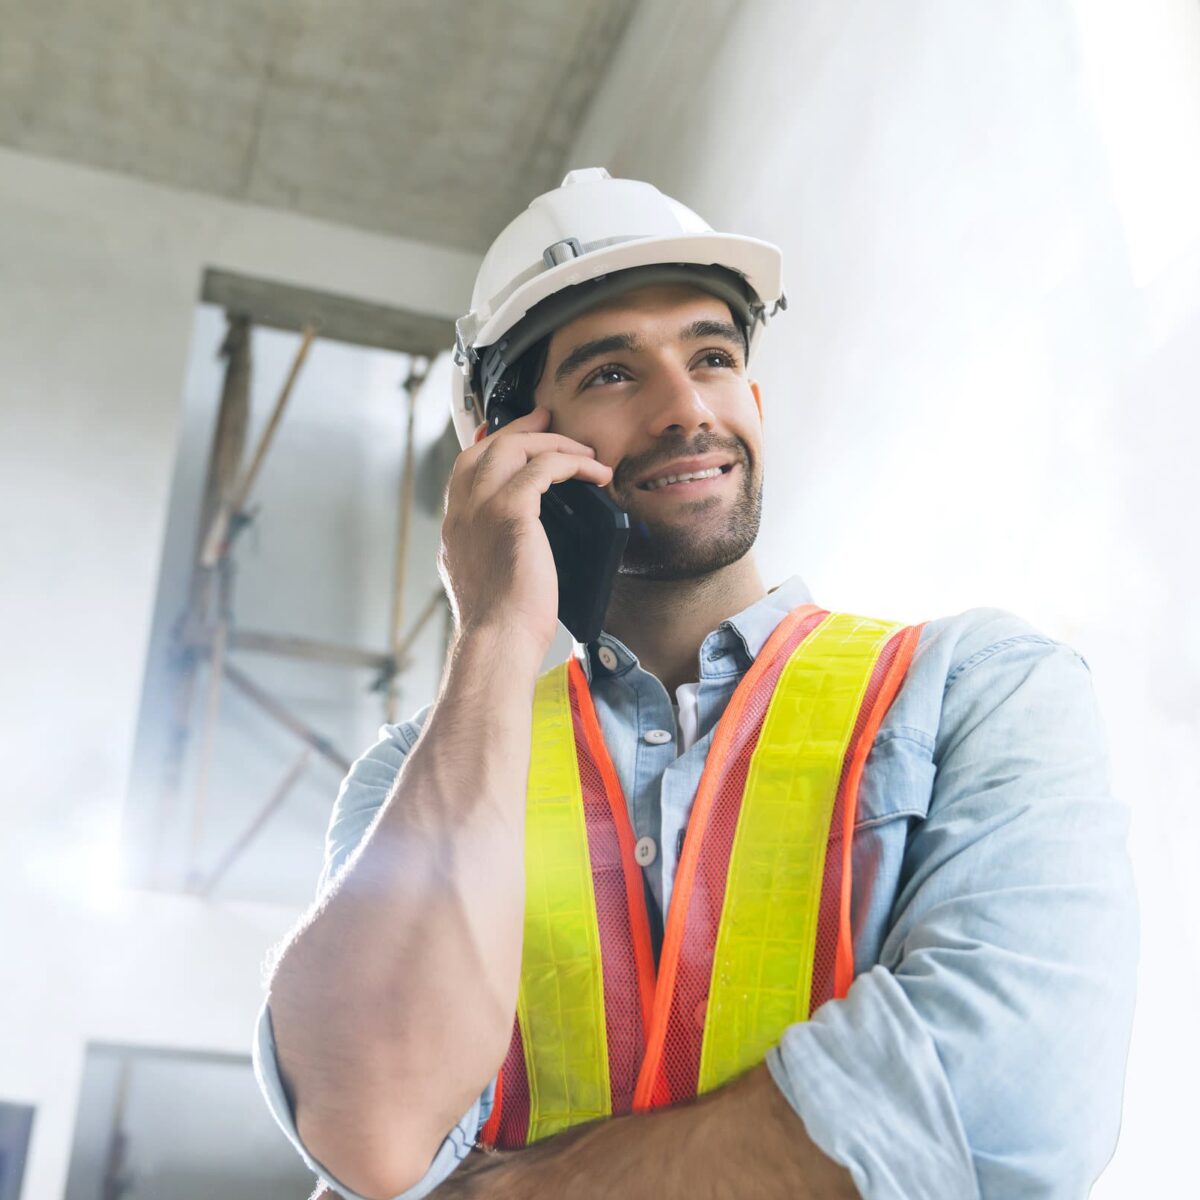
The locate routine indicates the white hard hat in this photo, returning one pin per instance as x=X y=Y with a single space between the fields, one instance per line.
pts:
x=585 y=232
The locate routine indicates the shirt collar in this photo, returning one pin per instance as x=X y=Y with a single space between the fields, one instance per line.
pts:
x=749 y=628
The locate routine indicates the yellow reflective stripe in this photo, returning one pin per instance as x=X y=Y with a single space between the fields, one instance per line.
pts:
x=763 y=960
x=560 y=1003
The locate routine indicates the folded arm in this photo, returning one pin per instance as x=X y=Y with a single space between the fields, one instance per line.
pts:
x=743 y=1140
x=984 y=1055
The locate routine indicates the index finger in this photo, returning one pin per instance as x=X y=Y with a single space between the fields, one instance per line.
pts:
x=533 y=419
x=526 y=421
x=514 y=445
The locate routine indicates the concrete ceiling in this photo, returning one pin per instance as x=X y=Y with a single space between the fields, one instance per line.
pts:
x=431 y=119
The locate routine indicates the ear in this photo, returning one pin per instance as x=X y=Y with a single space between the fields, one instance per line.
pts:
x=757 y=392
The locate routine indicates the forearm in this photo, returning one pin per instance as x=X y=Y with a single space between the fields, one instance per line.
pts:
x=742 y=1140
x=392 y=1006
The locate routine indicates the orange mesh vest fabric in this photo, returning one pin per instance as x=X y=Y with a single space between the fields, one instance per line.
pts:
x=662 y=1038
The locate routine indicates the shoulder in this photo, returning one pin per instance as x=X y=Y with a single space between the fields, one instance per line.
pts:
x=378 y=764
x=978 y=659
x=959 y=644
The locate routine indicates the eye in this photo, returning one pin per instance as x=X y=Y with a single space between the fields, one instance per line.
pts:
x=609 y=373
x=716 y=358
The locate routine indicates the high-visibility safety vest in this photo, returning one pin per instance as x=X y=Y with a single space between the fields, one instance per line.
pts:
x=758 y=930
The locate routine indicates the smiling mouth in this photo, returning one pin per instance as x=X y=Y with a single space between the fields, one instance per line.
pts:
x=688 y=481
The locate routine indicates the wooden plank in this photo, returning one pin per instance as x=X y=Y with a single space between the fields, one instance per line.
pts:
x=217 y=658
x=285 y=645
x=275 y=801
x=216 y=543
x=208 y=738
x=273 y=708
x=225 y=458
x=343 y=318
x=224 y=463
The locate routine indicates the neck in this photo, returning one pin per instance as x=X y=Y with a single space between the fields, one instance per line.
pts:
x=664 y=622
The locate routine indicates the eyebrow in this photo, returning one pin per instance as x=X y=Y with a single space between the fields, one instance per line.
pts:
x=627 y=342
x=698 y=330
x=596 y=348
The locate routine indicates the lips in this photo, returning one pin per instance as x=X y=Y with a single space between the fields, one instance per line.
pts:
x=671 y=474
x=656 y=485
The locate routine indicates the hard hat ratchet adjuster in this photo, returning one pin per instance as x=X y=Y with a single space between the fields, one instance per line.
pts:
x=562 y=251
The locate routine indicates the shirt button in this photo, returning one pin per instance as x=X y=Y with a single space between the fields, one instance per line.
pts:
x=646 y=851
x=607 y=657
x=657 y=737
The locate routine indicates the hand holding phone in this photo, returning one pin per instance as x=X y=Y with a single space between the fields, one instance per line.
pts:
x=587 y=533
x=499 y=561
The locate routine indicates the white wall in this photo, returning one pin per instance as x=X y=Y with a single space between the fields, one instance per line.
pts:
x=99 y=280
x=984 y=389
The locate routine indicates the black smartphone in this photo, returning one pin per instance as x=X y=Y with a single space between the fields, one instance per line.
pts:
x=587 y=534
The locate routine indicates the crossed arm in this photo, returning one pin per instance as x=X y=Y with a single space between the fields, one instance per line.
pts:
x=744 y=1139
x=983 y=1054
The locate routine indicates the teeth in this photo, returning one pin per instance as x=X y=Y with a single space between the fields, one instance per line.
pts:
x=657 y=483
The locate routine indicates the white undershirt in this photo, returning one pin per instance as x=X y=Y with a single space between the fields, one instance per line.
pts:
x=686 y=714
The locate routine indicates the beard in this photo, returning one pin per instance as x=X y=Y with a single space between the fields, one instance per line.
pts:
x=700 y=538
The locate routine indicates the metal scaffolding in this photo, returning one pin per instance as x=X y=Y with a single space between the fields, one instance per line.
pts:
x=206 y=635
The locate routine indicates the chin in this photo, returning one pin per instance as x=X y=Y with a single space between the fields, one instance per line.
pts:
x=671 y=559
x=680 y=551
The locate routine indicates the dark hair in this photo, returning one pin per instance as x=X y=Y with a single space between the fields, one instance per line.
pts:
x=516 y=386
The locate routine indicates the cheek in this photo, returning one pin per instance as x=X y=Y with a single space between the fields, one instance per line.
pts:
x=607 y=452
x=737 y=408
x=597 y=434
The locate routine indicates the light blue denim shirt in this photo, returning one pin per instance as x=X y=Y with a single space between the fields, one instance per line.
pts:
x=981 y=1048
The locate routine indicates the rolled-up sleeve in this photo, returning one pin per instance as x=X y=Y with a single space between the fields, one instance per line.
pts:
x=985 y=1054
x=360 y=797
x=454 y=1148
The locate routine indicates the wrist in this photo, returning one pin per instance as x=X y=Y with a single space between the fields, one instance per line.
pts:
x=489 y=682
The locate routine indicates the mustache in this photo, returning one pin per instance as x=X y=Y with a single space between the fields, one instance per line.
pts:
x=634 y=468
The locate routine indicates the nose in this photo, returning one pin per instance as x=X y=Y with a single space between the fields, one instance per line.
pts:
x=676 y=406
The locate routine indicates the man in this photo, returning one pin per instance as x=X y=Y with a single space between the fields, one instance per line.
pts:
x=898 y=948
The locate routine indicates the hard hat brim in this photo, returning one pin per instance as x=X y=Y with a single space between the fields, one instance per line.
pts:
x=757 y=261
